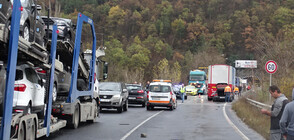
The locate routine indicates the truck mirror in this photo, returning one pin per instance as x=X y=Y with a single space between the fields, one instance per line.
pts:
x=105 y=70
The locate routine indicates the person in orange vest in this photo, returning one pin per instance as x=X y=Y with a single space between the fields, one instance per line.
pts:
x=236 y=91
x=227 y=92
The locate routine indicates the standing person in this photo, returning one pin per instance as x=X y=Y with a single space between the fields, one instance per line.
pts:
x=227 y=92
x=183 y=92
x=287 y=120
x=147 y=85
x=236 y=91
x=276 y=112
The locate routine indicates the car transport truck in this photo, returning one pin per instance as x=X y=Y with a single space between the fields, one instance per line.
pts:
x=78 y=106
x=218 y=74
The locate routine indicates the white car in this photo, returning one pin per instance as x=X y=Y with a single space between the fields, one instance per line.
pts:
x=161 y=94
x=29 y=91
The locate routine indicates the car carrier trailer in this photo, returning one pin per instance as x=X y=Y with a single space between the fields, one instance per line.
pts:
x=78 y=106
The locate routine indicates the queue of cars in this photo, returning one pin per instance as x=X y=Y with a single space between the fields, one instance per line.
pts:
x=118 y=95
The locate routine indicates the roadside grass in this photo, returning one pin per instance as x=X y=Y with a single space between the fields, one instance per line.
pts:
x=252 y=117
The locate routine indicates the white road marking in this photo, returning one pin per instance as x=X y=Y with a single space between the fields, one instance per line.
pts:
x=129 y=133
x=233 y=125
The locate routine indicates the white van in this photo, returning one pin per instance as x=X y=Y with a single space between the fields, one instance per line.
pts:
x=161 y=94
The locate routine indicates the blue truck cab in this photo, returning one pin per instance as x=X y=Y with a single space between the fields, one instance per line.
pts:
x=198 y=78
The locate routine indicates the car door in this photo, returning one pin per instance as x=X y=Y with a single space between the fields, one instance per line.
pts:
x=40 y=30
x=37 y=91
x=5 y=10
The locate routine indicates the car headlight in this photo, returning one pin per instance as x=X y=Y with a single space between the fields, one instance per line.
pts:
x=116 y=97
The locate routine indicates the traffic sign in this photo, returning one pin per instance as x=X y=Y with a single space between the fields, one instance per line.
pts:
x=271 y=66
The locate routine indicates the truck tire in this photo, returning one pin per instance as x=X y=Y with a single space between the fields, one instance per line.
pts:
x=126 y=106
x=95 y=112
x=75 y=119
x=21 y=132
x=33 y=131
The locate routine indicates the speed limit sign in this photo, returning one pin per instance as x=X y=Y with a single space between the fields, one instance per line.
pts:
x=271 y=66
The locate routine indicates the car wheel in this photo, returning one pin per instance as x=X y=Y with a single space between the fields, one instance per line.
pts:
x=119 y=110
x=144 y=104
x=148 y=107
x=171 y=108
x=28 y=110
x=7 y=30
x=26 y=32
x=176 y=104
x=126 y=106
x=54 y=93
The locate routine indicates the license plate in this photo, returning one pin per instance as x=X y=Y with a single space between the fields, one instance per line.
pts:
x=132 y=98
x=155 y=98
x=222 y=97
x=104 y=100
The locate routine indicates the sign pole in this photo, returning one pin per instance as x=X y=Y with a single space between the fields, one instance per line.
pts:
x=270 y=97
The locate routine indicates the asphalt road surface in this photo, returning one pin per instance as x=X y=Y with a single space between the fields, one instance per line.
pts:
x=195 y=119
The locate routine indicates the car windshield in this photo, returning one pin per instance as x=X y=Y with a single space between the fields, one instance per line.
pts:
x=196 y=77
x=60 y=22
x=109 y=87
x=133 y=87
x=159 y=88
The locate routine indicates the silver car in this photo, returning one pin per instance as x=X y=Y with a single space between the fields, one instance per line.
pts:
x=113 y=95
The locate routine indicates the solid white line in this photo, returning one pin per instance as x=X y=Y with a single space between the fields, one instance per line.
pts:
x=128 y=134
x=233 y=125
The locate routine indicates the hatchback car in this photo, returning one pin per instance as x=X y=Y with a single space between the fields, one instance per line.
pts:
x=161 y=94
x=29 y=91
x=66 y=28
x=31 y=25
x=113 y=95
x=136 y=94
x=191 y=90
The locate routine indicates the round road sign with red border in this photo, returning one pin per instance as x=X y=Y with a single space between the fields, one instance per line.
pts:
x=271 y=66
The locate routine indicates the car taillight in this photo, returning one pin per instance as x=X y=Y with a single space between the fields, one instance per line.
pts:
x=39 y=70
x=21 y=8
x=94 y=77
x=147 y=94
x=171 y=93
x=140 y=91
x=20 y=87
x=57 y=31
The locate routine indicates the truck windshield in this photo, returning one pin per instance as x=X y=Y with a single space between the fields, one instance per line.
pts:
x=196 y=78
x=159 y=88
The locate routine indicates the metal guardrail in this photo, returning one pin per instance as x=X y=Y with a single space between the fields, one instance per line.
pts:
x=258 y=104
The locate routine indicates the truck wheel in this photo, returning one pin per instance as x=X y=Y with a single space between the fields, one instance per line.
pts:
x=119 y=110
x=126 y=105
x=21 y=132
x=75 y=119
x=95 y=112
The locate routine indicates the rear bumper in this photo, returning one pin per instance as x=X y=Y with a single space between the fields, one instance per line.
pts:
x=154 y=103
x=136 y=101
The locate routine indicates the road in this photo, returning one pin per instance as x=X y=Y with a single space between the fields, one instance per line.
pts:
x=197 y=118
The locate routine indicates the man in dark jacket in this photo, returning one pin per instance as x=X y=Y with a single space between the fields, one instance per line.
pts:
x=276 y=112
x=287 y=120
